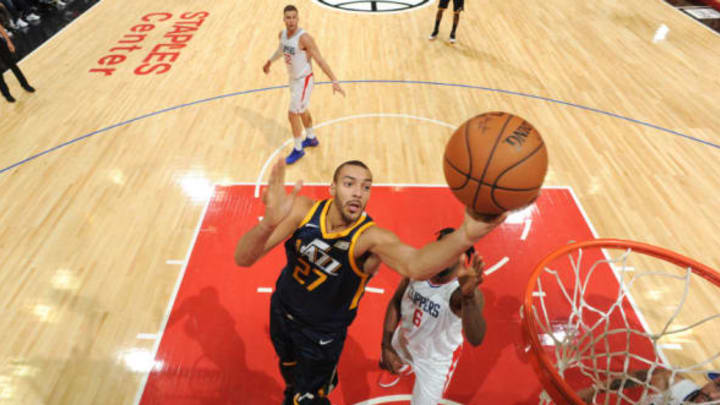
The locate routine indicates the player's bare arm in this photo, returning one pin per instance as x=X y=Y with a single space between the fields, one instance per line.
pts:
x=467 y=301
x=9 y=43
x=390 y=360
x=423 y=263
x=307 y=43
x=660 y=378
x=275 y=56
x=283 y=214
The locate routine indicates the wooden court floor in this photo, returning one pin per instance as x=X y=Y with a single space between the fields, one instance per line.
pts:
x=105 y=170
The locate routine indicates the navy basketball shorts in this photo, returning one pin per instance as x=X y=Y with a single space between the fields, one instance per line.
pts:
x=458 y=5
x=314 y=352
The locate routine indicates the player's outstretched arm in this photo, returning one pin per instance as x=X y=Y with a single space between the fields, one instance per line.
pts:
x=311 y=48
x=9 y=42
x=283 y=214
x=275 y=56
x=423 y=263
x=390 y=359
x=659 y=378
x=468 y=302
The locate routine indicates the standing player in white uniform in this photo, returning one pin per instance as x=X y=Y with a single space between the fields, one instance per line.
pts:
x=675 y=390
x=433 y=315
x=299 y=49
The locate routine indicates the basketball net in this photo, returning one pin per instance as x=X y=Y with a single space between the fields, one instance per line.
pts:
x=585 y=330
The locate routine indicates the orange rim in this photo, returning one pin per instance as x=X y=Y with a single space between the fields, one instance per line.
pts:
x=554 y=384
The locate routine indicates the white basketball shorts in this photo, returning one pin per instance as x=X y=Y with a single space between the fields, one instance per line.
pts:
x=300 y=90
x=432 y=376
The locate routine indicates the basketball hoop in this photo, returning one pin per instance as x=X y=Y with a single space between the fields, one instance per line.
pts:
x=583 y=326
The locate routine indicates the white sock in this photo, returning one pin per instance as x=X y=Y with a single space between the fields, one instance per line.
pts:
x=310 y=133
x=298 y=143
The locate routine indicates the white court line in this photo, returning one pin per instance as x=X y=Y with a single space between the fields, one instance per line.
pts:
x=538 y=294
x=629 y=296
x=661 y=33
x=175 y=262
x=375 y=290
x=361 y=12
x=264 y=289
x=348 y=118
x=147 y=336
x=395 y=398
x=495 y=267
x=526 y=230
x=173 y=297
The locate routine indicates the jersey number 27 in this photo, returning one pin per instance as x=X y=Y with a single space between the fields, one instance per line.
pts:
x=302 y=272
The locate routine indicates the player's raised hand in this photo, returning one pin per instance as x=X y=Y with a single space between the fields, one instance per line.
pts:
x=278 y=203
x=476 y=226
x=470 y=274
x=338 y=89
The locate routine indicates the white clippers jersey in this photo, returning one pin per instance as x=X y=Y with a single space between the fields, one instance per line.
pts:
x=297 y=61
x=675 y=395
x=428 y=328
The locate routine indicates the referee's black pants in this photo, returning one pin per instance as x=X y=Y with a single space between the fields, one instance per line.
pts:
x=7 y=59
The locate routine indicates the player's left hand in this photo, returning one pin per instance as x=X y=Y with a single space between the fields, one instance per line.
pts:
x=390 y=360
x=278 y=203
x=470 y=275
x=338 y=89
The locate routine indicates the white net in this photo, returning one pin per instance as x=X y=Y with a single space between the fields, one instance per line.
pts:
x=624 y=327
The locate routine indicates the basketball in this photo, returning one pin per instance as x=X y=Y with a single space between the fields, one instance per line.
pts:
x=495 y=162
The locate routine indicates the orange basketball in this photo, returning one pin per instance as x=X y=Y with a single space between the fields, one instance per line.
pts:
x=495 y=162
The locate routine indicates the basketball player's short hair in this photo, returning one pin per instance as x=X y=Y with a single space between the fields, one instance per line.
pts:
x=446 y=231
x=290 y=7
x=348 y=163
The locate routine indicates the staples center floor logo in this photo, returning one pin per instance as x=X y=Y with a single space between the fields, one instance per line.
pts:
x=374 y=6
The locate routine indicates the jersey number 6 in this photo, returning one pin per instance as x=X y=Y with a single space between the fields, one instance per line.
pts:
x=417 y=317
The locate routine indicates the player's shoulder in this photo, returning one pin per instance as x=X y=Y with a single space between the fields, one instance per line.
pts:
x=373 y=236
x=305 y=36
x=377 y=234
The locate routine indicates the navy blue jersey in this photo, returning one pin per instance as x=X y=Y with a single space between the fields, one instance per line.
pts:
x=322 y=283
